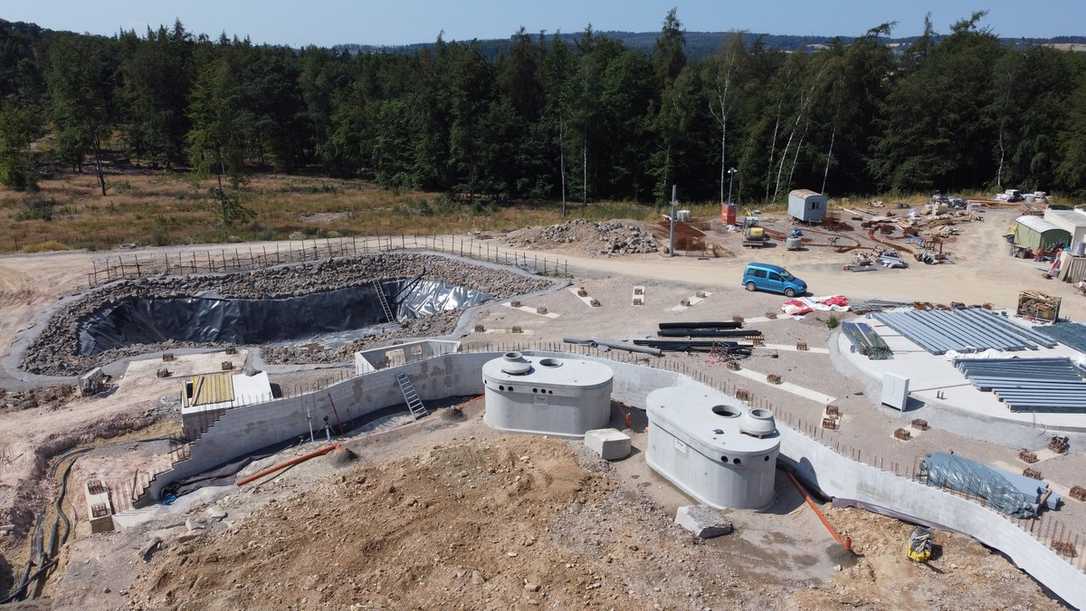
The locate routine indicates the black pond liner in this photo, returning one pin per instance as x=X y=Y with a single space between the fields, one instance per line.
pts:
x=261 y=321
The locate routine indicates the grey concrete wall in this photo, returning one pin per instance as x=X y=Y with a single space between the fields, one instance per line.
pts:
x=244 y=430
x=375 y=358
x=247 y=429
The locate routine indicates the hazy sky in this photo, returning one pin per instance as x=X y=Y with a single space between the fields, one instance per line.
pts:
x=326 y=22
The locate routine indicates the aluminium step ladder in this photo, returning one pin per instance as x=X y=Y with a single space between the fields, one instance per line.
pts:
x=383 y=300
x=411 y=396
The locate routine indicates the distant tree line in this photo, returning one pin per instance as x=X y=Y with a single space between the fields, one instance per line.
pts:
x=549 y=119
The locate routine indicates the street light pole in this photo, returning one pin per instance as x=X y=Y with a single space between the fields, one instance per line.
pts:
x=731 y=178
x=671 y=225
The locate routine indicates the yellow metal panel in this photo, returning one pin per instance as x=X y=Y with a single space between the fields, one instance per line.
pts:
x=212 y=388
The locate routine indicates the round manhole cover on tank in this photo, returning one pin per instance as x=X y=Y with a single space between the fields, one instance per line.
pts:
x=514 y=364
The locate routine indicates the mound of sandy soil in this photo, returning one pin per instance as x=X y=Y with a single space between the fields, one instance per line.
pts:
x=962 y=574
x=512 y=523
x=617 y=237
x=518 y=522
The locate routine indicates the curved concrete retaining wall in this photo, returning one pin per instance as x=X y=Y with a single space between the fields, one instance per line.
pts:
x=843 y=478
x=245 y=430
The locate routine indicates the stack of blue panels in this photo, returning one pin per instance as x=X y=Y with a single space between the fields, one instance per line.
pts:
x=1071 y=334
x=1029 y=385
x=965 y=330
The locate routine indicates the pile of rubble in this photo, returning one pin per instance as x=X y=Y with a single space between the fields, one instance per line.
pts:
x=50 y=397
x=55 y=350
x=604 y=238
x=436 y=325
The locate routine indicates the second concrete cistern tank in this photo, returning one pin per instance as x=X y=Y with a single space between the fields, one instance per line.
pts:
x=713 y=447
x=546 y=395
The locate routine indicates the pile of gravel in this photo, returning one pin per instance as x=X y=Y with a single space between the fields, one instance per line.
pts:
x=54 y=351
x=437 y=325
x=49 y=397
x=605 y=238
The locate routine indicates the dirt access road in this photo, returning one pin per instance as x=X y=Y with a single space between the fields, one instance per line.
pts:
x=982 y=271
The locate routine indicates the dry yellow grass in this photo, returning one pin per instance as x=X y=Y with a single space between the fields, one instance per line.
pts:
x=165 y=208
x=161 y=208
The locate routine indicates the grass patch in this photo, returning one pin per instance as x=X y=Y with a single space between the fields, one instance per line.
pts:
x=37 y=208
x=49 y=246
x=169 y=208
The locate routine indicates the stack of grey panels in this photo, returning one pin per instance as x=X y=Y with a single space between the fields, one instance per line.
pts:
x=968 y=330
x=1029 y=385
x=866 y=341
x=1071 y=334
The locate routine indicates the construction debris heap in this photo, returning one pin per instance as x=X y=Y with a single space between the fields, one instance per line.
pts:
x=607 y=238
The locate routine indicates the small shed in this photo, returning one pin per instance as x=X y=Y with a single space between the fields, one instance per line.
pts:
x=1035 y=233
x=807 y=206
x=206 y=397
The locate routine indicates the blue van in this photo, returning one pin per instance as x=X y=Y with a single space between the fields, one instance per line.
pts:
x=773 y=279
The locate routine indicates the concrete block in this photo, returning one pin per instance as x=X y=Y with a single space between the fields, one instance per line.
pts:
x=611 y=444
x=895 y=391
x=702 y=521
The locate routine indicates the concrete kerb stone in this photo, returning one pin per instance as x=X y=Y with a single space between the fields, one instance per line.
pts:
x=610 y=444
x=703 y=521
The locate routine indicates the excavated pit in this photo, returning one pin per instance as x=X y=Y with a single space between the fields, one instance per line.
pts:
x=272 y=307
x=214 y=320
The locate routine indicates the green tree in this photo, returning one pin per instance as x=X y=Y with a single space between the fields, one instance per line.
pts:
x=624 y=124
x=936 y=131
x=471 y=81
x=431 y=103
x=1072 y=142
x=17 y=130
x=673 y=126
x=669 y=56
x=217 y=142
x=81 y=85
x=558 y=67
x=156 y=75
x=585 y=96
x=1031 y=91
x=720 y=70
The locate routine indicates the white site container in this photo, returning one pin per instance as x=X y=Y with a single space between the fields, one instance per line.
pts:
x=895 y=391
x=807 y=206
x=712 y=447
x=546 y=395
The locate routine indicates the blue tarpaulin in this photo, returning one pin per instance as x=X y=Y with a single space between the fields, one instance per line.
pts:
x=980 y=480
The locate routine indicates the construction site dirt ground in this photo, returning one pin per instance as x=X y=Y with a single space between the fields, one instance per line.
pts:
x=735 y=571
x=448 y=513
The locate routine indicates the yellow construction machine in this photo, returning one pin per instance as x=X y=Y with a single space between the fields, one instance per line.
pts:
x=754 y=235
